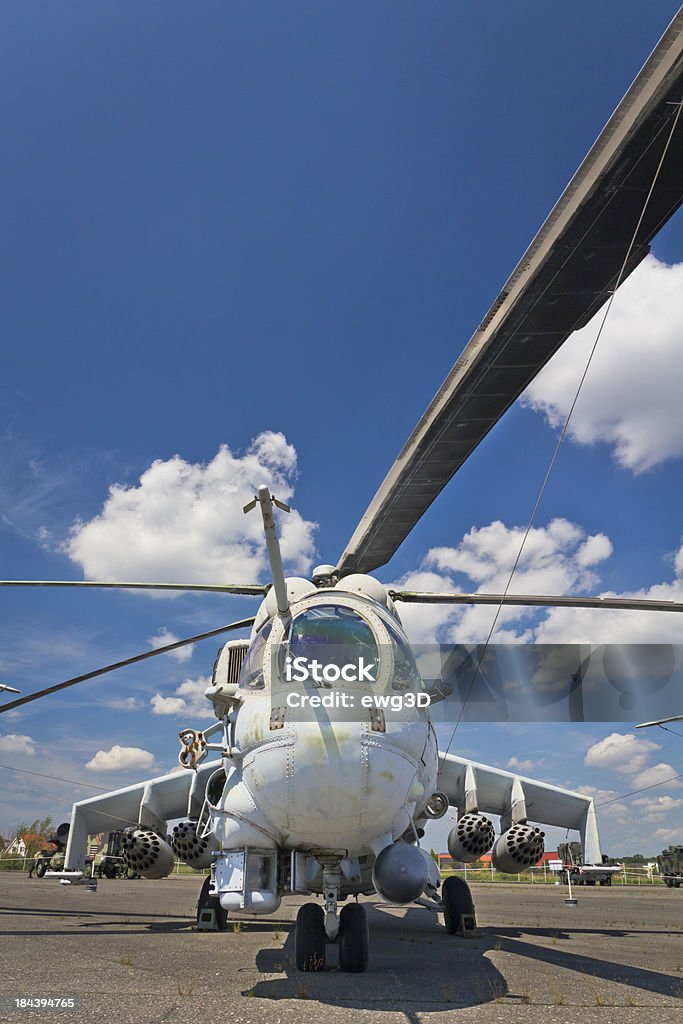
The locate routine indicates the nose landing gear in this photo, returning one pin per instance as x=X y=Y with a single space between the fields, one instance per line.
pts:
x=353 y=937
x=316 y=928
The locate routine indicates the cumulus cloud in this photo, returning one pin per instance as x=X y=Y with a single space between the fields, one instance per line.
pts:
x=656 y=775
x=557 y=558
x=189 y=700
x=13 y=743
x=605 y=796
x=623 y=752
x=183 y=521
x=164 y=637
x=581 y=625
x=658 y=807
x=120 y=759
x=521 y=765
x=668 y=835
x=631 y=397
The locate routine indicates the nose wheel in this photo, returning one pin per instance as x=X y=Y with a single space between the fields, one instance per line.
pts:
x=354 y=939
x=310 y=938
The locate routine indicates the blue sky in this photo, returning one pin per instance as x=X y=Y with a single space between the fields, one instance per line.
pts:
x=224 y=223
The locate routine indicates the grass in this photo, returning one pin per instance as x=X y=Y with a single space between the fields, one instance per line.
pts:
x=557 y=994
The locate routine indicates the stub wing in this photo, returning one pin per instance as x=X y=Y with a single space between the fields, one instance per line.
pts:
x=473 y=787
x=151 y=803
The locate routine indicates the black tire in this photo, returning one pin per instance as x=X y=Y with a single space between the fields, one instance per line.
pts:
x=208 y=902
x=109 y=870
x=354 y=939
x=677 y=883
x=457 y=900
x=590 y=881
x=668 y=883
x=87 y=869
x=310 y=938
x=41 y=867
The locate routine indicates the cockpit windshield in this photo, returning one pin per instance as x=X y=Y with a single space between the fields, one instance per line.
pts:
x=333 y=634
x=251 y=672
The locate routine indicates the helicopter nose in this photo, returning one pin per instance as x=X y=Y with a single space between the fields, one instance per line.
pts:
x=334 y=784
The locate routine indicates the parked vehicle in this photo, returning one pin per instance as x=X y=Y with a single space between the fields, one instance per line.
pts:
x=583 y=874
x=670 y=862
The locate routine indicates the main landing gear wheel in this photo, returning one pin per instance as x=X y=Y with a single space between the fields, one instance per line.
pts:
x=457 y=900
x=310 y=938
x=207 y=902
x=354 y=939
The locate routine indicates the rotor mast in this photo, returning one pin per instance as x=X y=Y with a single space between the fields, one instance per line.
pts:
x=267 y=501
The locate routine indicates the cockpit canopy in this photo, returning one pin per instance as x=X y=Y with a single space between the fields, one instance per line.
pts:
x=336 y=634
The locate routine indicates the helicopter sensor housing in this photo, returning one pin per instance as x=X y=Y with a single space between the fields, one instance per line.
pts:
x=400 y=873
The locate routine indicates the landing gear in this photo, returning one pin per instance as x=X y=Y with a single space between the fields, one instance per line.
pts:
x=207 y=903
x=310 y=938
x=458 y=906
x=354 y=939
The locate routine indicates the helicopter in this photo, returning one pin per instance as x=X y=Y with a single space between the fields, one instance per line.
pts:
x=321 y=799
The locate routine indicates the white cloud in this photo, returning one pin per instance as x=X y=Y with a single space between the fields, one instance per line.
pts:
x=183 y=522
x=656 y=775
x=167 y=705
x=631 y=396
x=523 y=765
x=604 y=626
x=120 y=759
x=657 y=807
x=557 y=558
x=623 y=752
x=124 y=704
x=12 y=743
x=164 y=637
x=668 y=835
x=189 y=700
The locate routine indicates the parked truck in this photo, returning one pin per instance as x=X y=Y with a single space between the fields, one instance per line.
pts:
x=670 y=863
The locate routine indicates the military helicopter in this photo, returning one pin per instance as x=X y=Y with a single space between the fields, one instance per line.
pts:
x=309 y=795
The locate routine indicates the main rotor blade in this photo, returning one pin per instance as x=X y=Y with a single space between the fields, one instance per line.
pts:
x=242 y=624
x=248 y=589
x=539 y=600
x=565 y=276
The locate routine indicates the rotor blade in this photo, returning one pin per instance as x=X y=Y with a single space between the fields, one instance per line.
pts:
x=660 y=721
x=243 y=623
x=565 y=276
x=539 y=600
x=248 y=589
